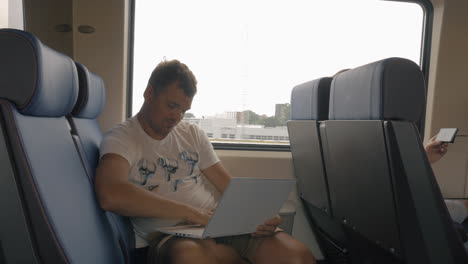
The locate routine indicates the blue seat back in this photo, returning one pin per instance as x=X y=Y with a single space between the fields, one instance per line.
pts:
x=88 y=137
x=38 y=88
x=89 y=105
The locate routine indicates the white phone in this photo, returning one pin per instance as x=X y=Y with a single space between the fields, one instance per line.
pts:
x=447 y=135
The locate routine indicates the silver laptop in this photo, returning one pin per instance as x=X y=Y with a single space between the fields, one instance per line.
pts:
x=245 y=204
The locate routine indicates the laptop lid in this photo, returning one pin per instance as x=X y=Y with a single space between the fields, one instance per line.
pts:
x=247 y=203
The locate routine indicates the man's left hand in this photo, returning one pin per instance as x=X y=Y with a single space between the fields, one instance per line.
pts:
x=268 y=228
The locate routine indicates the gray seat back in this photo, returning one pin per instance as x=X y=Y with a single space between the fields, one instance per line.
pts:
x=309 y=107
x=381 y=185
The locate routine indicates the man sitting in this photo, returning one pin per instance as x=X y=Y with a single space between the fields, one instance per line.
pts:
x=162 y=171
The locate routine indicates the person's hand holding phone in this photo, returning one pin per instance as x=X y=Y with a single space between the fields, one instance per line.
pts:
x=435 y=149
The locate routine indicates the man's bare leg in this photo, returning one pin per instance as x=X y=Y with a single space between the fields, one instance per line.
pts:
x=282 y=248
x=193 y=251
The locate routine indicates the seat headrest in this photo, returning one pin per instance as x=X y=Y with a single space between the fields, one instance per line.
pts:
x=309 y=101
x=91 y=96
x=390 y=89
x=37 y=79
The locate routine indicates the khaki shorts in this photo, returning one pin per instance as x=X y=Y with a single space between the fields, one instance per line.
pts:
x=244 y=245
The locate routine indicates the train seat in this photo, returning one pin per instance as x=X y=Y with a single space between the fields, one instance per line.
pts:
x=87 y=135
x=309 y=107
x=381 y=185
x=310 y=100
x=83 y=118
x=52 y=213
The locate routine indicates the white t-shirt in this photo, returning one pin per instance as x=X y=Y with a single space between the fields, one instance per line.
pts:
x=169 y=167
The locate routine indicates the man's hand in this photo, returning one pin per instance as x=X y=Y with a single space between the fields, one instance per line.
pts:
x=268 y=228
x=435 y=150
x=465 y=203
x=199 y=216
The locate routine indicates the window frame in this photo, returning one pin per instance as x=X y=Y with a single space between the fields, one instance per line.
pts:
x=426 y=40
x=426 y=37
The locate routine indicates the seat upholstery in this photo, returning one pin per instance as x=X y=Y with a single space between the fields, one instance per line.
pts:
x=38 y=88
x=89 y=105
x=309 y=101
x=381 y=184
x=389 y=89
x=88 y=137
x=309 y=105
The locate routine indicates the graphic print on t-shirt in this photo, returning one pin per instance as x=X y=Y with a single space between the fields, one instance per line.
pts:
x=146 y=170
x=170 y=166
x=191 y=158
x=171 y=171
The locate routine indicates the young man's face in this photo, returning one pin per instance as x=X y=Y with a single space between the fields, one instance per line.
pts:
x=166 y=109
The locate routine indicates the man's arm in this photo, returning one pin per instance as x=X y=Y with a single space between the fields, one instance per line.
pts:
x=115 y=193
x=218 y=176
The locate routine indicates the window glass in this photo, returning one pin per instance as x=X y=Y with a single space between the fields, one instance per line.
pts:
x=248 y=54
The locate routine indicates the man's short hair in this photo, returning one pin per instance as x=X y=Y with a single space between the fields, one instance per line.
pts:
x=168 y=72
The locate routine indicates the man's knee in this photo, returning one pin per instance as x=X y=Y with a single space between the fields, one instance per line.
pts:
x=301 y=254
x=282 y=248
x=181 y=251
x=296 y=253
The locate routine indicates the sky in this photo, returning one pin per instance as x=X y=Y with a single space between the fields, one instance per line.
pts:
x=249 y=54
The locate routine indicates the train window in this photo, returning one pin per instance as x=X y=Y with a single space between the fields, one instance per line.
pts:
x=248 y=55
